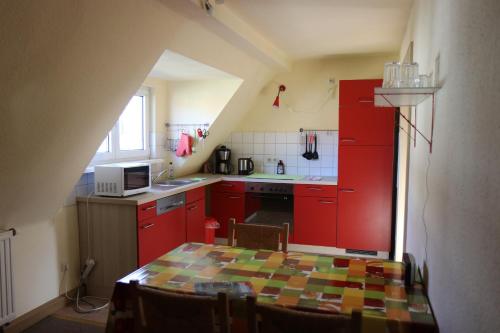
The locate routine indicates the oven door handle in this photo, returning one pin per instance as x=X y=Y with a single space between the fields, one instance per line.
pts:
x=271 y=196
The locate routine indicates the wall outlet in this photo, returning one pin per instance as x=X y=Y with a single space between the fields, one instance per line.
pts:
x=87 y=268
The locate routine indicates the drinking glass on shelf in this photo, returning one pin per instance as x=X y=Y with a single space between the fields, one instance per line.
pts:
x=392 y=75
x=409 y=75
x=424 y=81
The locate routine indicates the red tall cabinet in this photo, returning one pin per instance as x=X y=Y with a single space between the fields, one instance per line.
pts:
x=365 y=182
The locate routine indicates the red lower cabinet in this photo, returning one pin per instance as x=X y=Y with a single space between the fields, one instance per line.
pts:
x=365 y=197
x=160 y=234
x=226 y=205
x=195 y=221
x=315 y=221
x=152 y=239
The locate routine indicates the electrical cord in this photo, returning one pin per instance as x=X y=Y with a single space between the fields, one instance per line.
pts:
x=84 y=299
x=424 y=222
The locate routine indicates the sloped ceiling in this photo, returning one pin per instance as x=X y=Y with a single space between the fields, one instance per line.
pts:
x=68 y=69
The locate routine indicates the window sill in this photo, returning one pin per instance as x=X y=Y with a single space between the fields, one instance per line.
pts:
x=90 y=169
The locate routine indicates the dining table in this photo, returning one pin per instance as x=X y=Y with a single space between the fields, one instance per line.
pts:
x=296 y=280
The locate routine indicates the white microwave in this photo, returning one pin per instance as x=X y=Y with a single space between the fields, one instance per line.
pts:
x=122 y=179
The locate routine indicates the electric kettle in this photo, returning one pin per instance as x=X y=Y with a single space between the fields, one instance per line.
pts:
x=245 y=166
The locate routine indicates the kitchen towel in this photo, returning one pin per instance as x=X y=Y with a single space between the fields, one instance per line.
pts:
x=185 y=144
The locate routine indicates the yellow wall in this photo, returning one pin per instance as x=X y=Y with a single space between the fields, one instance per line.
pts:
x=306 y=102
x=68 y=70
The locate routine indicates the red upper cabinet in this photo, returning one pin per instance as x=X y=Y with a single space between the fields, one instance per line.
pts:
x=355 y=93
x=365 y=197
x=360 y=123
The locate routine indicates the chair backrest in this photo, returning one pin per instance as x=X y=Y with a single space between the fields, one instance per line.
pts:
x=258 y=236
x=276 y=319
x=160 y=311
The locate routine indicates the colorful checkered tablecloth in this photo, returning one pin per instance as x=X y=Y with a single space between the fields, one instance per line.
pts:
x=298 y=280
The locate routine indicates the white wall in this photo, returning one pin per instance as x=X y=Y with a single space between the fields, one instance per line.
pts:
x=309 y=100
x=68 y=70
x=455 y=190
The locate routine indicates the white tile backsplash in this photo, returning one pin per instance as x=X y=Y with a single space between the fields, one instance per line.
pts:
x=267 y=148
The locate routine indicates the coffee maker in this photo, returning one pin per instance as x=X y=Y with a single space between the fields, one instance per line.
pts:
x=223 y=160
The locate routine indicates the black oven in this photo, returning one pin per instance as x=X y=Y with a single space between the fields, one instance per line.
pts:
x=269 y=203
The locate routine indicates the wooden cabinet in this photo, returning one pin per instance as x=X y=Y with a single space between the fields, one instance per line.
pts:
x=315 y=216
x=195 y=215
x=226 y=205
x=366 y=153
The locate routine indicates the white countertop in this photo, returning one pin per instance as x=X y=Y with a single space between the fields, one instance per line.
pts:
x=157 y=192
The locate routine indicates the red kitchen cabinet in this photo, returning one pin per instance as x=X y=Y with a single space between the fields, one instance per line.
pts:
x=315 y=220
x=195 y=215
x=358 y=93
x=361 y=123
x=226 y=205
x=152 y=239
x=365 y=197
x=159 y=234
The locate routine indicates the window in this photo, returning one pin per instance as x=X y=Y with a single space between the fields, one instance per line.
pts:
x=128 y=139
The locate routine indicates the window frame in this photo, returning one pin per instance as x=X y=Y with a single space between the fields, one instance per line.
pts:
x=117 y=155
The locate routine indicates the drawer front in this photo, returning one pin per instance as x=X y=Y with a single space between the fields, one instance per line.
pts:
x=227 y=186
x=146 y=211
x=195 y=194
x=310 y=190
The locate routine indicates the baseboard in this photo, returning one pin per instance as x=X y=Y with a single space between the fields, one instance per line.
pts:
x=32 y=317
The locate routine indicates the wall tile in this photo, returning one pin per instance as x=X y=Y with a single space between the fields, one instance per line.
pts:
x=269 y=148
x=281 y=149
x=248 y=148
x=258 y=148
x=326 y=172
x=281 y=137
x=291 y=160
x=291 y=149
x=291 y=170
x=248 y=137
x=259 y=137
x=270 y=137
x=301 y=171
x=292 y=137
x=314 y=171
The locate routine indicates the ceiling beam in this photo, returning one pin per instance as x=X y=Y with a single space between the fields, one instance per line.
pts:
x=229 y=26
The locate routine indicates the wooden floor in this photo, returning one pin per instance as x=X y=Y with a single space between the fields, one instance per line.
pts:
x=67 y=320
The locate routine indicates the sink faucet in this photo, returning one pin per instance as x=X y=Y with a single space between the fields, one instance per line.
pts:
x=154 y=179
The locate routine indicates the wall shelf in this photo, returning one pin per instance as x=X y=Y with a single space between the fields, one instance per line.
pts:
x=409 y=97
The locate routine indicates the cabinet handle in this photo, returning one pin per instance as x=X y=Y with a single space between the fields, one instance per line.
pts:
x=315 y=189
x=348 y=140
x=227 y=185
x=365 y=100
x=347 y=190
x=192 y=207
x=234 y=197
x=326 y=202
x=147 y=226
x=148 y=208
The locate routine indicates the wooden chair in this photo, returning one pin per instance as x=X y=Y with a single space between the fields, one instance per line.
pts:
x=258 y=236
x=161 y=311
x=276 y=319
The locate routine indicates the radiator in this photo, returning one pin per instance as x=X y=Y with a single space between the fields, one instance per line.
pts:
x=7 y=313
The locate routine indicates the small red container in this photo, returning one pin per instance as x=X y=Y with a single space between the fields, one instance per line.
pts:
x=210 y=225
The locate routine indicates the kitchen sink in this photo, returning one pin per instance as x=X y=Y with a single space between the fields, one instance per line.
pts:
x=175 y=182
